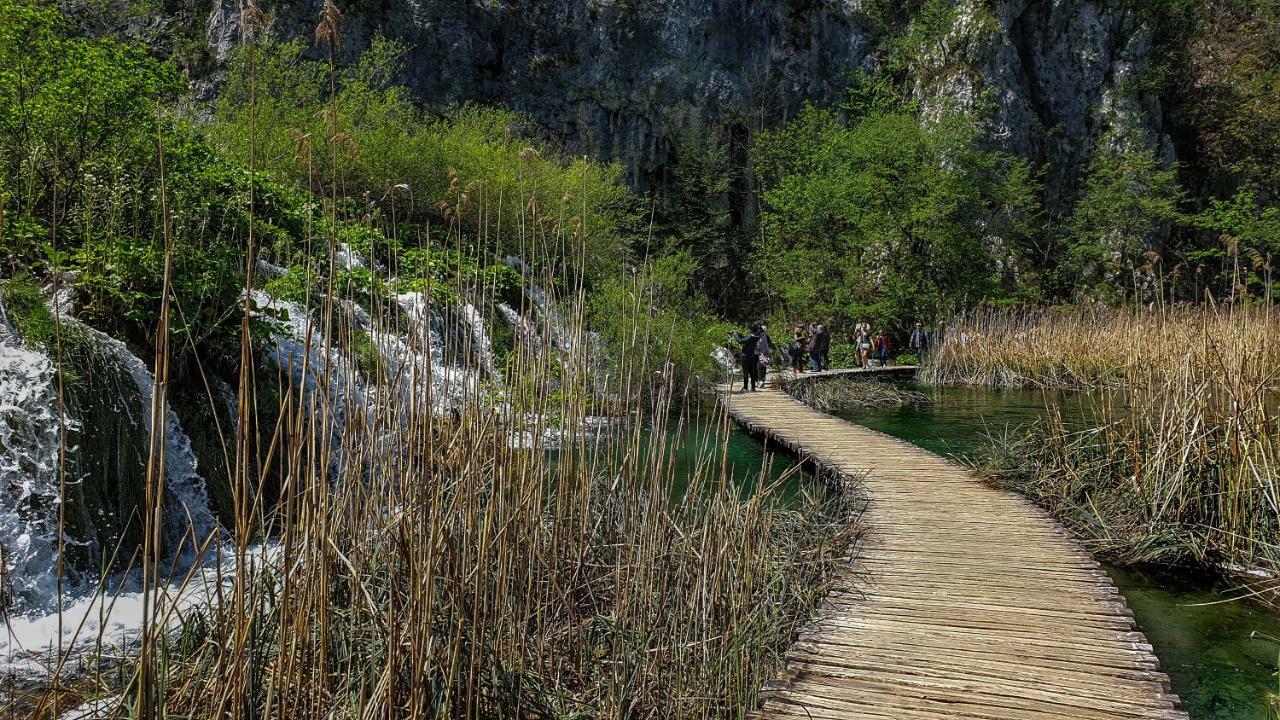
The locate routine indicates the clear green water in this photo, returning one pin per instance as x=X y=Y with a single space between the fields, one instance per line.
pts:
x=1215 y=653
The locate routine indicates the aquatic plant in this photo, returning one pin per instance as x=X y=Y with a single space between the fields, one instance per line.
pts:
x=836 y=395
x=1185 y=466
x=1097 y=346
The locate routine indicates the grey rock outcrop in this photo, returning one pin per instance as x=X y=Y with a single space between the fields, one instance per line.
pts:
x=624 y=79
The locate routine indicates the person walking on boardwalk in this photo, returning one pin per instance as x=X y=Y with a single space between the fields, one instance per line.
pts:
x=919 y=342
x=798 y=349
x=750 y=344
x=819 y=348
x=765 y=352
x=882 y=348
x=862 y=342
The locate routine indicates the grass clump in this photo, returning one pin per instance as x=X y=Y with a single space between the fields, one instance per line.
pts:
x=839 y=395
x=1182 y=466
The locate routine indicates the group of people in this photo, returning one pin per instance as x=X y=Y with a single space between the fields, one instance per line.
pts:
x=811 y=345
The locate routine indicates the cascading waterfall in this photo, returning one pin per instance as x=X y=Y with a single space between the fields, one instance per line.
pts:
x=188 y=519
x=311 y=361
x=481 y=344
x=451 y=385
x=445 y=355
x=31 y=432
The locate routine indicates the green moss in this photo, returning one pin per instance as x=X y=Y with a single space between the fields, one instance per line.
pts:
x=27 y=311
x=368 y=360
x=107 y=468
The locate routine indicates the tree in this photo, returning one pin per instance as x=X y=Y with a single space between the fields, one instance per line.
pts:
x=885 y=215
x=1131 y=201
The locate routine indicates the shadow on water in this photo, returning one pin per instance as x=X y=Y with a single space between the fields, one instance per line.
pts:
x=1215 y=653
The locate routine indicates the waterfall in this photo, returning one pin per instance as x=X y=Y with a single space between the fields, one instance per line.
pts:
x=727 y=361
x=481 y=344
x=525 y=331
x=451 y=385
x=191 y=521
x=313 y=364
x=31 y=433
x=348 y=258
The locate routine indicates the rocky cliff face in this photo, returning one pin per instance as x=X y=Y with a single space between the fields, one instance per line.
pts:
x=1058 y=76
x=624 y=79
x=618 y=79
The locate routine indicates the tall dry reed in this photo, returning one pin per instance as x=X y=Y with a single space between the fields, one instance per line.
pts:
x=1182 y=464
x=417 y=563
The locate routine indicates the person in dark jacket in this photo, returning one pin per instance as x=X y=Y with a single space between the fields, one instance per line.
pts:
x=764 y=351
x=919 y=342
x=819 y=347
x=750 y=344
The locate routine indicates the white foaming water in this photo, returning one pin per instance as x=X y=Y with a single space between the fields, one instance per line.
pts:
x=726 y=360
x=31 y=432
x=191 y=522
x=525 y=331
x=348 y=258
x=301 y=350
x=482 y=346
x=451 y=386
x=110 y=617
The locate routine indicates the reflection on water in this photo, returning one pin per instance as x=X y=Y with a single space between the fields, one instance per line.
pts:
x=1217 y=666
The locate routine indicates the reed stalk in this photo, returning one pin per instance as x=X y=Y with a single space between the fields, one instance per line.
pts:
x=1182 y=464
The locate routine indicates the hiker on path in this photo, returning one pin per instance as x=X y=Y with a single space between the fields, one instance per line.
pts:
x=819 y=348
x=765 y=351
x=919 y=342
x=882 y=348
x=862 y=342
x=798 y=349
x=750 y=344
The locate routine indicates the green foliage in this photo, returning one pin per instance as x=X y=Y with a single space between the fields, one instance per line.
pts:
x=1248 y=232
x=693 y=216
x=26 y=310
x=1130 y=197
x=73 y=111
x=475 y=169
x=653 y=319
x=884 y=215
x=297 y=285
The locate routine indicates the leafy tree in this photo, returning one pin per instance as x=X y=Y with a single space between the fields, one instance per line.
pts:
x=885 y=215
x=477 y=170
x=693 y=215
x=1248 y=240
x=1130 y=200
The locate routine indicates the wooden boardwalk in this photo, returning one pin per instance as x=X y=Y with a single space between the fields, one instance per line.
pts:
x=963 y=601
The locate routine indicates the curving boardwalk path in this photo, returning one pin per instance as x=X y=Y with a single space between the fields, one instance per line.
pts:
x=964 y=602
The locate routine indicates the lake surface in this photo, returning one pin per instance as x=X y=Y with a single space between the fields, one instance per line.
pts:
x=1217 y=654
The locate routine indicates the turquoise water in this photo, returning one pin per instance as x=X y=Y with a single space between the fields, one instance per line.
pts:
x=1217 y=654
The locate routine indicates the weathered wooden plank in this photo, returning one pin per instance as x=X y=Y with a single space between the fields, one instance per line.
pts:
x=965 y=602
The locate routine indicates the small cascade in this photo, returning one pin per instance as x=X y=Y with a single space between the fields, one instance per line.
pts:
x=481 y=343
x=31 y=432
x=191 y=521
x=451 y=385
x=312 y=362
x=525 y=332
x=348 y=258
x=726 y=360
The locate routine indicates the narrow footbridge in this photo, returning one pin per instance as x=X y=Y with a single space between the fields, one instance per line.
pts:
x=963 y=601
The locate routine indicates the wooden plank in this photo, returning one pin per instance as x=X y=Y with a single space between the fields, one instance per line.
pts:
x=963 y=602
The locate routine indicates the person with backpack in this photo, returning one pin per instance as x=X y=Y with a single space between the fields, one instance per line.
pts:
x=765 y=352
x=750 y=344
x=820 y=349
